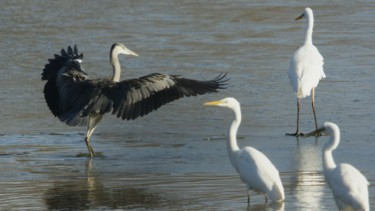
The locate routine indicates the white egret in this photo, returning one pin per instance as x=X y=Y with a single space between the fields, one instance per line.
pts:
x=254 y=168
x=77 y=100
x=348 y=185
x=306 y=68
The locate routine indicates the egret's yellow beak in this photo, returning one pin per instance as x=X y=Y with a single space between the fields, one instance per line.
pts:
x=213 y=103
x=315 y=132
x=299 y=17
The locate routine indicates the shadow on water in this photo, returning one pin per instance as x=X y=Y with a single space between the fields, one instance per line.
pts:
x=88 y=192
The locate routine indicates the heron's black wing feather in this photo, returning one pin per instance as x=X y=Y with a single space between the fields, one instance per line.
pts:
x=143 y=95
x=58 y=72
x=127 y=99
x=133 y=98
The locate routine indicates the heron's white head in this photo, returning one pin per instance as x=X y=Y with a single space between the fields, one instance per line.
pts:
x=119 y=48
x=228 y=102
x=308 y=13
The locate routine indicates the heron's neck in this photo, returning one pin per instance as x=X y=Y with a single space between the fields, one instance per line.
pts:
x=232 y=145
x=116 y=66
x=309 y=31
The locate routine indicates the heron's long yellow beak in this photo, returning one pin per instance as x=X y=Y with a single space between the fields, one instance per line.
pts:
x=299 y=17
x=213 y=103
x=315 y=132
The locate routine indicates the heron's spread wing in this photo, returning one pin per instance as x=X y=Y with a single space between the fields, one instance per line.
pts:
x=137 y=97
x=61 y=66
x=127 y=99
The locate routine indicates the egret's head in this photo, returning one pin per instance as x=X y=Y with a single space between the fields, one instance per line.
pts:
x=331 y=128
x=119 y=48
x=307 y=13
x=228 y=102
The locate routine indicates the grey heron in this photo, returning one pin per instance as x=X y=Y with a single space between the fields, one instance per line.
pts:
x=79 y=101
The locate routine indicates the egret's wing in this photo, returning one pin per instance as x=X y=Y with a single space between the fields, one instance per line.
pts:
x=306 y=70
x=349 y=186
x=259 y=173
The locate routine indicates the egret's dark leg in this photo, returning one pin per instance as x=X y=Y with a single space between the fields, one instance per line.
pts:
x=313 y=109
x=297 y=133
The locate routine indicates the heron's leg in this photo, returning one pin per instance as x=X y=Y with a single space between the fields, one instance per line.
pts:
x=94 y=119
x=266 y=198
x=297 y=133
x=87 y=140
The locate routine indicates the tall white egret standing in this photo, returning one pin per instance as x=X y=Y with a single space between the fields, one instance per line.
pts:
x=348 y=185
x=306 y=68
x=254 y=168
x=77 y=100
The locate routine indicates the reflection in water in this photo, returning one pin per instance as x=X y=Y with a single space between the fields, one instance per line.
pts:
x=266 y=207
x=81 y=193
x=309 y=188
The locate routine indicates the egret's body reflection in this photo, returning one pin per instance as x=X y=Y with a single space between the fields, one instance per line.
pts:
x=310 y=184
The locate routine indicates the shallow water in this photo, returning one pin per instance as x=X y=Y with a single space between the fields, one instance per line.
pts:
x=175 y=158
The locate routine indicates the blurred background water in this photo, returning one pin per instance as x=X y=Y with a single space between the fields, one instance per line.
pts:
x=176 y=158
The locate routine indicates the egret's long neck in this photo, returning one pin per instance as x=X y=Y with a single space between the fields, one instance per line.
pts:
x=309 y=30
x=115 y=65
x=232 y=145
x=328 y=162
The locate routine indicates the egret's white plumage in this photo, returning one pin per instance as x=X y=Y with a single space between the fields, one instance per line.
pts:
x=348 y=185
x=254 y=168
x=306 y=67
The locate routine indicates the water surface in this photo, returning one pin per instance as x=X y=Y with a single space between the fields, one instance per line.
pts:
x=175 y=158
